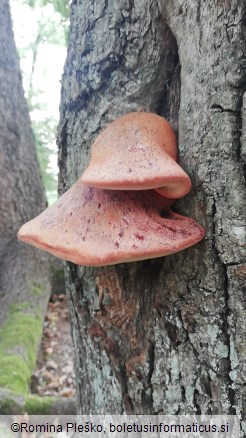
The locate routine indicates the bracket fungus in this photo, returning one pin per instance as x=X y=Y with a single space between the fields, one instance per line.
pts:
x=112 y=214
x=95 y=227
x=138 y=151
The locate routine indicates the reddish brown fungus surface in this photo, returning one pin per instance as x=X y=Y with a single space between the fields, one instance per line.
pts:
x=127 y=227
x=138 y=151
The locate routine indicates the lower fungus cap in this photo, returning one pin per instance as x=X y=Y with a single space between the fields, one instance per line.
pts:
x=138 y=151
x=94 y=227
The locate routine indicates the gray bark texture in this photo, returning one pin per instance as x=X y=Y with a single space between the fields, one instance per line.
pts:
x=164 y=335
x=23 y=270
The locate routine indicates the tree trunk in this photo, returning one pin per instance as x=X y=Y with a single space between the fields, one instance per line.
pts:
x=164 y=335
x=24 y=278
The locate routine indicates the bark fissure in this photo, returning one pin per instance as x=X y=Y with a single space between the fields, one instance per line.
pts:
x=223 y=110
x=242 y=124
x=231 y=392
x=226 y=332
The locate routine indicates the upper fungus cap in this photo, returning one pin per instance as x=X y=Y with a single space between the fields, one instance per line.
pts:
x=138 y=151
x=88 y=226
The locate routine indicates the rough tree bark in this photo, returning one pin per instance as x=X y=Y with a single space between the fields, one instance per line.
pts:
x=24 y=278
x=165 y=335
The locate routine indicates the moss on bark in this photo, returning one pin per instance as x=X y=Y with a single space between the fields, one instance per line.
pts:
x=19 y=340
x=12 y=403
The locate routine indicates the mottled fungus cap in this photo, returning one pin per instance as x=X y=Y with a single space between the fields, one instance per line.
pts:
x=94 y=227
x=138 y=151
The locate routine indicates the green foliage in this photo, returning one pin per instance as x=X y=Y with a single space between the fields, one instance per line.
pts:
x=30 y=3
x=47 y=29
x=60 y=6
x=44 y=133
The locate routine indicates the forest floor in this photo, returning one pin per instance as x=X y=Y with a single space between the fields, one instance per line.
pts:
x=54 y=375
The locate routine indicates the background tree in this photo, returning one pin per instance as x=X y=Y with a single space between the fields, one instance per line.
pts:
x=49 y=27
x=165 y=335
x=24 y=278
